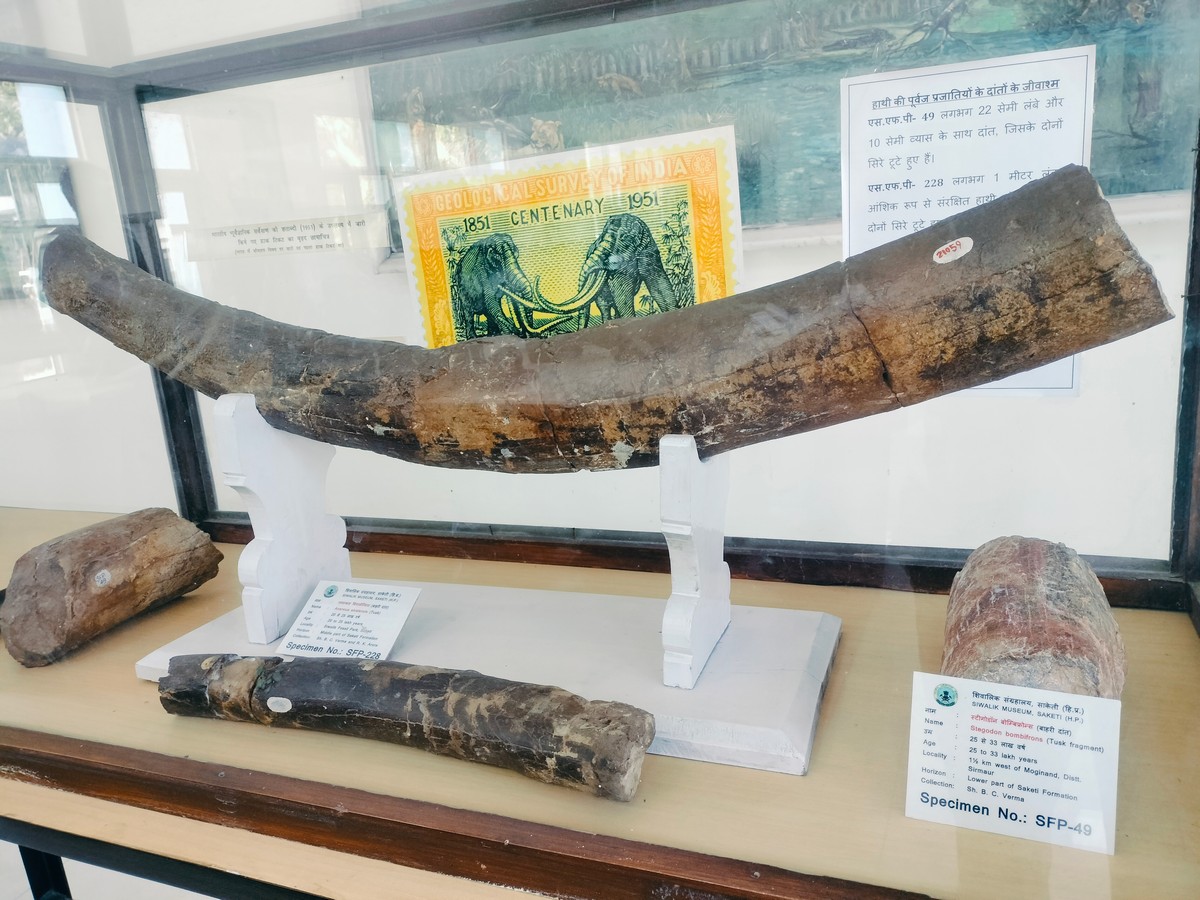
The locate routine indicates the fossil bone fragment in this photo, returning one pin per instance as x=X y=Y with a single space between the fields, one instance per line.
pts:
x=543 y=732
x=1034 y=276
x=79 y=585
x=1030 y=612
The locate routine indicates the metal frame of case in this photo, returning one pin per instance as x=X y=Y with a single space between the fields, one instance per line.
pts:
x=119 y=93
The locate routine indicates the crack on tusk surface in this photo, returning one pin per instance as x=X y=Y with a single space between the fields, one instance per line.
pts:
x=885 y=373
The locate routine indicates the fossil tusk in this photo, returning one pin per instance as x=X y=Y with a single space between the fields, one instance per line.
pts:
x=540 y=731
x=1039 y=274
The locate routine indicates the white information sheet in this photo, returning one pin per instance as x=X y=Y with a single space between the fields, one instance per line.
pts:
x=922 y=144
x=1018 y=761
x=350 y=618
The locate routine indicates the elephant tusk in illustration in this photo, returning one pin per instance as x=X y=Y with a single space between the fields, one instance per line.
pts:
x=1034 y=276
x=625 y=252
x=523 y=310
x=487 y=268
x=567 y=308
x=583 y=298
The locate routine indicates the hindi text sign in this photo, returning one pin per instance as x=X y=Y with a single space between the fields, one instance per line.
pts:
x=923 y=144
x=354 y=619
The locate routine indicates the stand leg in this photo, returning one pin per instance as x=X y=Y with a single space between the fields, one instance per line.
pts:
x=281 y=477
x=46 y=875
x=694 y=496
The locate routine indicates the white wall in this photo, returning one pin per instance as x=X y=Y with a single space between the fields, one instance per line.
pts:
x=1093 y=470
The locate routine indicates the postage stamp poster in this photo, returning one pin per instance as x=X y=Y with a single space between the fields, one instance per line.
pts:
x=556 y=243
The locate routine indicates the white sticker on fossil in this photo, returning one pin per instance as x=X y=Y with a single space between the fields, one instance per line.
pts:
x=957 y=248
x=279 y=704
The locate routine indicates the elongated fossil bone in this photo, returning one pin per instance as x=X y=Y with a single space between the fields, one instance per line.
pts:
x=537 y=730
x=1037 y=275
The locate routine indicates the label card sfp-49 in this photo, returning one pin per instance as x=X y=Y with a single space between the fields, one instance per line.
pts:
x=1012 y=760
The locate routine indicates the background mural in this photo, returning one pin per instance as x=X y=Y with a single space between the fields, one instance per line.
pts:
x=772 y=68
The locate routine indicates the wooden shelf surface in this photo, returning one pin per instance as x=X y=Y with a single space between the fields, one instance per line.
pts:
x=75 y=736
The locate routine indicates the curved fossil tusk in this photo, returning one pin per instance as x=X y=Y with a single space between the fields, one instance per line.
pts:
x=1051 y=274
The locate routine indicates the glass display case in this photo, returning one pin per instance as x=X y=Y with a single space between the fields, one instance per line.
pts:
x=275 y=161
x=312 y=125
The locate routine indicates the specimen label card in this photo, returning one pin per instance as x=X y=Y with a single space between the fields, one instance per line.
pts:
x=355 y=619
x=554 y=243
x=1012 y=760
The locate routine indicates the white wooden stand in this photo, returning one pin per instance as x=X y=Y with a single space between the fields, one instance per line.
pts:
x=692 y=502
x=281 y=478
x=764 y=670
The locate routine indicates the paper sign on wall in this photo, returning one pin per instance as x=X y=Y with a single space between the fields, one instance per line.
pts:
x=356 y=231
x=923 y=144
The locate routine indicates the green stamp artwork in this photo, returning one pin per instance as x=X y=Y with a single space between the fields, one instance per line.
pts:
x=623 y=274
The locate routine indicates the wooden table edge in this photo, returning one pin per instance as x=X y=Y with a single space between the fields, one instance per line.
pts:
x=465 y=843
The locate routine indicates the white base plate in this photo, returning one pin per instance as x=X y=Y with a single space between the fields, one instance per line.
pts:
x=755 y=705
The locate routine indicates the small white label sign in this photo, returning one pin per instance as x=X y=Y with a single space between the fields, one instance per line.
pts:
x=1019 y=761
x=355 y=619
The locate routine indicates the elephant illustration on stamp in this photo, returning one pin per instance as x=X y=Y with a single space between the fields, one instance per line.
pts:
x=622 y=276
